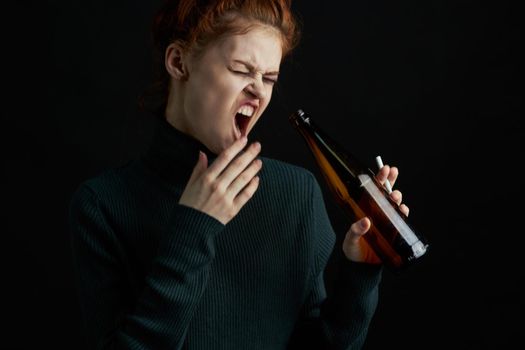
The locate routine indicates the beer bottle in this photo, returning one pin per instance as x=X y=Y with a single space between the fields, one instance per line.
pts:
x=360 y=194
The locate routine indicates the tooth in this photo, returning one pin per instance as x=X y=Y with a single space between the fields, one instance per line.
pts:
x=246 y=111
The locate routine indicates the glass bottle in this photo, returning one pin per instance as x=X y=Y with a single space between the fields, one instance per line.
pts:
x=358 y=192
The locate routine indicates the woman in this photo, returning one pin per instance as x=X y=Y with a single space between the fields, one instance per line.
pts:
x=197 y=244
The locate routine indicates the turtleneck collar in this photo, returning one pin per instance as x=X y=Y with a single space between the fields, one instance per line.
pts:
x=173 y=154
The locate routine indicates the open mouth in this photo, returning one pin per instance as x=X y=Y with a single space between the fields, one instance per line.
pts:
x=241 y=123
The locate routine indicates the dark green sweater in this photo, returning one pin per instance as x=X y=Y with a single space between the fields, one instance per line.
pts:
x=154 y=274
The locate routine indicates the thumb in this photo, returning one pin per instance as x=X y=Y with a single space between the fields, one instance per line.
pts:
x=359 y=228
x=200 y=166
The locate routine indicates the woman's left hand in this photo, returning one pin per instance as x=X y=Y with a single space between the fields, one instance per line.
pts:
x=355 y=247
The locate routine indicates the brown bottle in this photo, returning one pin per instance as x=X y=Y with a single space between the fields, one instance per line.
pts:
x=360 y=194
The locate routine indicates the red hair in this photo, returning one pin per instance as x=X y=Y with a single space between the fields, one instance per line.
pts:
x=195 y=23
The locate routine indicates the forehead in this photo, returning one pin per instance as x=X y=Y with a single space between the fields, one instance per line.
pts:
x=261 y=47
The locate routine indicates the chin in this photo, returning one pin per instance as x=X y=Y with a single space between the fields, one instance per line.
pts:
x=219 y=148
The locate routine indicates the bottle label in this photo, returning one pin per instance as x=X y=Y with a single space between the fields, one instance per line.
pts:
x=418 y=248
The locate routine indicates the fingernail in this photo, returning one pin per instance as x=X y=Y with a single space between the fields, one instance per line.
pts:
x=363 y=223
x=244 y=139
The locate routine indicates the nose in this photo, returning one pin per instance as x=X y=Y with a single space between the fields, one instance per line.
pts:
x=256 y=88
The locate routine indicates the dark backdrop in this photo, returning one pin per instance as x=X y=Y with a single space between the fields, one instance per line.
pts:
x=431 y=86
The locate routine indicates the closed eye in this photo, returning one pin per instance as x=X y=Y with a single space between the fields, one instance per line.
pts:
x=270 y=81
x=240 y=72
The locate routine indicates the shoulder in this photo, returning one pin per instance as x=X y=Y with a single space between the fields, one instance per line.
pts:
x=106 y=186
x=288 y=178
x=286 y=172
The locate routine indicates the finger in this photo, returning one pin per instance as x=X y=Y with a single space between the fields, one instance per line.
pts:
x=382 y=174
x=239 y=164
x=244 y=178
x=397 y=196
x=404 y=209
x=247 y=193
x=222 y=161
x=200 y=166
x=392 y=176
x=359 y=228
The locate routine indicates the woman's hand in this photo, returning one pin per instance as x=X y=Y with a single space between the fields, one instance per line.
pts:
x=222 y=189
x=355 y=247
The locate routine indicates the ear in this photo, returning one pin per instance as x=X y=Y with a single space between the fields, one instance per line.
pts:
x=175 y=61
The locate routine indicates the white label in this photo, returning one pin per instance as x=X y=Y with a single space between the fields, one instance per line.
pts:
x=399 y=223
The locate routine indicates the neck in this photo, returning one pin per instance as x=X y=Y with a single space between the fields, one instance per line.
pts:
x=174 y=112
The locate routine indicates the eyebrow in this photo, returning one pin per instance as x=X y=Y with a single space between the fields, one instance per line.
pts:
x=251 y=67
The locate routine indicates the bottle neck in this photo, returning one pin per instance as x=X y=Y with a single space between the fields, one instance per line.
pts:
x=323 y=145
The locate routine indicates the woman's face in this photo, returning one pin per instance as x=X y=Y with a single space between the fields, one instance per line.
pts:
x=229 y=86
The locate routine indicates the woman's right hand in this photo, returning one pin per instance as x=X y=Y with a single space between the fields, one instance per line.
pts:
x=222 y=189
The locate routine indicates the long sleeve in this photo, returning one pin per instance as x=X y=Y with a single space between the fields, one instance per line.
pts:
x=159 y=317
x=341 y=320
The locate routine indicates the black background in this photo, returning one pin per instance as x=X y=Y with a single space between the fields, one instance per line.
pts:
x=431 y=86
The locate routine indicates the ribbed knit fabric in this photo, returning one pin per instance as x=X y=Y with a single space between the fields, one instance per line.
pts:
x=154 y=274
